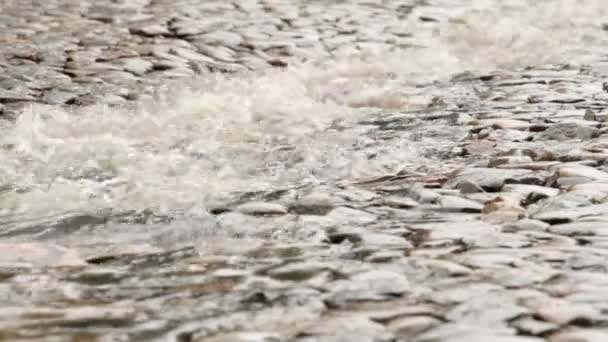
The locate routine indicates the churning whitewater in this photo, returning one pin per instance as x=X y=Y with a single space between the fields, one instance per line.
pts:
x=220 y=134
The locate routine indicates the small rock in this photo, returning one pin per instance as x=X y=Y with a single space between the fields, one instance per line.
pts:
x=137 y=66
x=298 y=271
x=479 y=147
x=506 y=124
x=314 y=204
x=468 y=187
x=531 y=326
x=376 y=285
x=245 y=337
x=261 y=208
x=344 y=215
x=589 y=115
x=150 y=30
x=562 y=312
x=531 y=193
x=399 y=202
x=412 y=325
x=55 y=96
x=424 y=195
x=506 y=160
x=459 y=204
x=526 y=224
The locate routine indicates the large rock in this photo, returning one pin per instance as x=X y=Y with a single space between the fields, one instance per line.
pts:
x=568 y=131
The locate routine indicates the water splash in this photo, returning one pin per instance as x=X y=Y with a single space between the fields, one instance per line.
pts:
x=278 y=127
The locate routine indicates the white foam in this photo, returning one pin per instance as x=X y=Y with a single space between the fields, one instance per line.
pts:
x=271 y=129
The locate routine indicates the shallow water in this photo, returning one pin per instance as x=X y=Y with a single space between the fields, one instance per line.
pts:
x=199 y=144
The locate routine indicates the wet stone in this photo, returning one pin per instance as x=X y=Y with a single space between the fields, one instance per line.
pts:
x=261 y=209
x=509 y=160
x=372 y=286
x=344 y=215
x=459 y=204
x=413 y=325
x=17 y=255
x=298 y=271
x=567 y=131
x=314 y=204
x=571 y=214
x=580 y=335
x=489 y=226
x=494 y=179
x=506 y=124
x=526 y=224
x=137 y=66
x=530 y=326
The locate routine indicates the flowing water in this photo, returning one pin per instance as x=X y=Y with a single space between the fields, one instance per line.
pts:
x=199 y=144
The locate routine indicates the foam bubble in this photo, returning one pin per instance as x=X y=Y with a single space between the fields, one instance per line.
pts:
x=254 y=131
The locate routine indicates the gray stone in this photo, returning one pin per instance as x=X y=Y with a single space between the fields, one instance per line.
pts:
x=571 y=214
x=580 y=335
x=494 y=179
x=262 y=208
x=513 y=160
x=567 y=131
x=56 y=96
x=298 y=271
x=16 y=255
x=137 y=66
x=459 y=204
x=412 y=325
x=344 y=215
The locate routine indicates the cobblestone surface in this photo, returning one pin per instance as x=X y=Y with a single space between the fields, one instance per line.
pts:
x=501 y=239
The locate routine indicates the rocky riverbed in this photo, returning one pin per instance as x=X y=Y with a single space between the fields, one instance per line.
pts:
x=426 y=171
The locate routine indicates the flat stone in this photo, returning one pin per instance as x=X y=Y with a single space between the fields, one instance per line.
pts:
x=298 y=271
x=137 y=66
x=344 y=215
x=468 y=187
x=34 y=255
x=571 y=214
x=567 y=131
x=314 y=204
x=534 y=327
x=346 y=327
x=581 y=171
x=561 y=312
x=591 y=186
x=586 y=228
x=459 y=204
x=55 y=96
x=150 y=30
x=531 y=193
x=261 y=208
x=580 y=335
x=494 y=179
x=376 y=285
x=526 y=224
x=479 y=147
x=513 y=160
x=468 y=332
x=252 y=336
x=506 y=124
x=399 y=202
x=412 y=325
